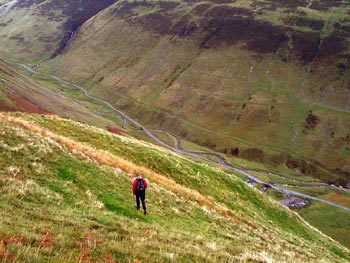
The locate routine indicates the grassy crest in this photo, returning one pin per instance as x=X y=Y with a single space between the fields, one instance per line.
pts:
x=66 y=197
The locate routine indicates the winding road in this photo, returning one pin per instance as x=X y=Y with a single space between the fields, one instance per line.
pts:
x=221 y=163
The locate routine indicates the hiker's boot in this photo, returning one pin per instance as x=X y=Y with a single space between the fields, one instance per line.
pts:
x=144 y=212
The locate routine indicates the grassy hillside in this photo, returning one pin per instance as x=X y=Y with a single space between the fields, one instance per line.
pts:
x=66 y=196
x=19 y=92
x=267 y=81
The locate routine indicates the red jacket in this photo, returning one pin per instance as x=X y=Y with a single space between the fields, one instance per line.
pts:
x=134 y=185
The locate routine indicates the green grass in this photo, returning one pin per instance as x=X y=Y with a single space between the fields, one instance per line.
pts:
x=4 y=100
x=336 y=15
x=151 y=158
x=345 y=153
x=331 y=221
x=72 y=187
x=69 y=207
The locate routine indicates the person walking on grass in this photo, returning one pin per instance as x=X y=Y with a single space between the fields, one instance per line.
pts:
x=139 y=186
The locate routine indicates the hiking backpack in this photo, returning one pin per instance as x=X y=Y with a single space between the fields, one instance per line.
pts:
x=140 y=187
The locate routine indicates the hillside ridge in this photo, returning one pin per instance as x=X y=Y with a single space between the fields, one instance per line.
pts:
x=247 y=223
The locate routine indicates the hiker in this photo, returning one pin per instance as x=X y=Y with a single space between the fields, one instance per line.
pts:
x=139 y=186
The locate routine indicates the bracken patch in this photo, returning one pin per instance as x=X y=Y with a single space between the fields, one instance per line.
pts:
x=47 y=240
x=25 y=105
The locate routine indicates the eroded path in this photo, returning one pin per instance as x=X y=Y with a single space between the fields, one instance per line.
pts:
x=221 y=160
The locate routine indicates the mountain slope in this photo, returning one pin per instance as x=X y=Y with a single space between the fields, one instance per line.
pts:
x=276 y=72
x=67 y=198
x=37 y=30
x=265 y=80
x=19 y=92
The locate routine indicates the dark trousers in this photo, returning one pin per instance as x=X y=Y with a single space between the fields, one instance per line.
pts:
x=141 y=196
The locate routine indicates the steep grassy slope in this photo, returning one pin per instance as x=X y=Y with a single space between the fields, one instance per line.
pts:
x=265 y=80
x=19 y=92
x=67 y=198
